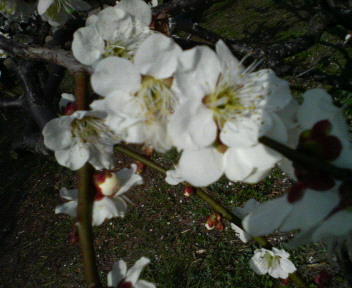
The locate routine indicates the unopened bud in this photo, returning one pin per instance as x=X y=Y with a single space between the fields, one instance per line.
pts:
x=106 y=182
x=140 y=167
x=148 y=151
x=219 y=225
x=188 y=191
x=70 y=108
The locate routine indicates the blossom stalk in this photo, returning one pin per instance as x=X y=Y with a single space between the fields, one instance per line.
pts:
x=86 y=199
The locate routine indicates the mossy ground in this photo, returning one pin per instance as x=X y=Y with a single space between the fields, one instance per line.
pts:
x=161 y=224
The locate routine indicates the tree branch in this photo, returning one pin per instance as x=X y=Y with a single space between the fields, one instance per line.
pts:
x=11 y=102
x=51 y=55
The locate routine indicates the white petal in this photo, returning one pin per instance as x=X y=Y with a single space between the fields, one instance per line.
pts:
x=259 y=264
x=198 y=72
x=57 y=133
x=279 y=91
x=338 y=224
x=128 y=179
x=192 y=126
x=259 y=156
x=276 y=130
x=229 y=63
x=257 y=175
x=73 y=158
x=274 y=212
x=240 y=133
x=104 y=209
x=87 y=45
x=118 y=272
x=101 y=156
x=323 y=110
x=157 y=56
x=69 y=194
x=235 y=168
x=134 y=272
x=244 y=237
x=310 y=210
x=114 y=73
x=174 y=177
x=250 y=206
x=43 y=5
x=144 y=284
x=138 y=9
x=201 y=167
x=69 y=208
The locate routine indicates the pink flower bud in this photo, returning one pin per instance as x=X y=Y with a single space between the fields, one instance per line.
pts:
x=188 y=191
x=70 y=108
x=140 y=167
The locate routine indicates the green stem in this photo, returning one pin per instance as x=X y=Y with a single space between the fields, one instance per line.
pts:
x=296 y=156
x=86 y=198
x=84 y=224
x=142 y=159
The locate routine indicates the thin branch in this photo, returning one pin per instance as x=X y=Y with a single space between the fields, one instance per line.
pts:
x=11 y=102
x=51 y=55
x=86 y=199
x=296 y=156
x=37 y=108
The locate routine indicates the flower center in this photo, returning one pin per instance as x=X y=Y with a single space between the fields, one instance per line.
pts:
x=118 y=49
x=225 y=101
x=156 y=98
x=91 y=130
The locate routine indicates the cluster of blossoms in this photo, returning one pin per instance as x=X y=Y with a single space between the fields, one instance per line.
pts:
x=213 y=110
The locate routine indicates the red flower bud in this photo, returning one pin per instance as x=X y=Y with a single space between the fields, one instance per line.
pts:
x=188 y=191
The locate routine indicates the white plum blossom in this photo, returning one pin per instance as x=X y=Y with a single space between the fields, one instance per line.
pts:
x=274 y=262
x=57 y=12
x=139 y=96
x=225 y=109
x=318 y=205
x=120 y=277
x=109 y=199
x=114 y=31
x=81 y=137
x=240 y=212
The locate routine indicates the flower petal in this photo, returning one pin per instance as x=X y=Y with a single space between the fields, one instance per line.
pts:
x=43 y=5
x=274 y=212
x=128 y=179
x=87 y=45
x=192 y=126
x=117 y=273
x=114 y=73
x=157 y=56
x=134 y=272
x=73 y=158
x=136 y=8
x=69 y=208
x=201 y=167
